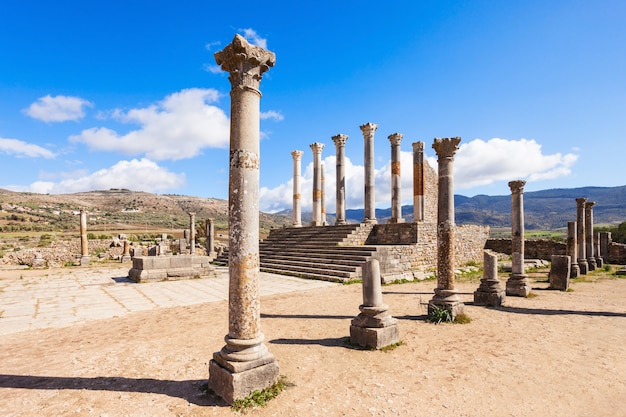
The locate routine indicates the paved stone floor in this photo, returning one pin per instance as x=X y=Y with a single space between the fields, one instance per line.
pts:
x=67 y=296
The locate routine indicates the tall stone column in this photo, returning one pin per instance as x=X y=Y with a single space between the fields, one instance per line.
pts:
x=369 y=215
x=192 y=233
x=572 y=249
x=599 y=260
x=446 y=296
x=605 y=244
x=340 y=207
x=590 y=249
x=580 y=235
x=517 y=284
x=84 y=244
x=297 y=201
x=323 y=218
x=210 y=238
x=419 y=181
x=244 y=364
x=317 y=182
x=396 y=198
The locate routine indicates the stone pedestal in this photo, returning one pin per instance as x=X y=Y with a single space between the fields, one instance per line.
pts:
x=490 y=292
x=340 y=146
x=374 y=328
x=369 y=212
x=560 y=272
x=419 y=181
x=297 y=200
x=396 y=171
x=446 y=296
x=517 y=284
x=580 y=235
x=244 y=364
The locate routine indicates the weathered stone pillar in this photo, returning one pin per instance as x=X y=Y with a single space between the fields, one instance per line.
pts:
x=192 y=233
x=517 y=284
x=589 y=248
x=374 y=327
x=126 y=254
x=605 y=244
x=369 y=215
x=446 y=296
x=572 y=249
x=317 y=183
x=490 y=292
x=210 y=238
x=340 y=207
x=84 y=243
x=599 y=260
x=580 y=235
x=419 y=181
x=244 y=364
x=396 y=199
x=560 y=272
x=297 y=207
x=323 y=218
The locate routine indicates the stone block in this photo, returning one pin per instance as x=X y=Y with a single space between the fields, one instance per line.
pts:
x=374 y=337
x=490 y=299
x=560 y=272
x=232 y=386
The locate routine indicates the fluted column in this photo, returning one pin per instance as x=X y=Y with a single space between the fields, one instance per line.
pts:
x=590 y=247
x=580 y=235
x=244 y=364
x=340 y=207
x=517 y=284
x=572 y=250
x=84 y=243
x=297 y=207
x=369 y=215
x=419 y=182
x=446 y=296
x=192 y=233
x=317 y=182
x=396 y=198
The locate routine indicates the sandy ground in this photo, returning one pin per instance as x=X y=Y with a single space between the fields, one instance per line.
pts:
x=557 y=354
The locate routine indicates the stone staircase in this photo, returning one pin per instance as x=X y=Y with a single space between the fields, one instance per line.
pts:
x=314 y=252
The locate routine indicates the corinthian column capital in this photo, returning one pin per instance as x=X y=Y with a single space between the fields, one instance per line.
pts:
x=517 y=186
x=368 y=130
x=246 y=63
x=395 y=138
x=317 y=147
x=296 y=155
x=340 y=140
x=446 y=147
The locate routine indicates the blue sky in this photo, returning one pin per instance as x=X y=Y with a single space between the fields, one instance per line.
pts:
x=99 y=95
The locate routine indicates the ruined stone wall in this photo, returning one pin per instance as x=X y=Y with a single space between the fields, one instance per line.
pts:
x=533 y=249
x=393 y=234
x=62 y=252
x=431 y=192
x=469 y=243
x=617 y=253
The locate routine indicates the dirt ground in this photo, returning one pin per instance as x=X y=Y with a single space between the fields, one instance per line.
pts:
x=557 y=354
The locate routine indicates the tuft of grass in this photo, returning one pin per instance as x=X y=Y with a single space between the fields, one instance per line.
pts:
x=399 y=281
x=462 y=319
x=352 y=281
x=438 y=315
x=260 y=398
x=391 y=347
x=570 y=289
x=531 y=295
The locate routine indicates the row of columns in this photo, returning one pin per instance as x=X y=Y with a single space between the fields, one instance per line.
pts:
x=585 y=254
x=318 y=210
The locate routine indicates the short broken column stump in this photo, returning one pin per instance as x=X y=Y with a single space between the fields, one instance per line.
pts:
x=560 y=272
x=490 y=292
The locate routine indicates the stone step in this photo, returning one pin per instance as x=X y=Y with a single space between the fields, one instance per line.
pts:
x=321 y=277
x=321 y=251
x=297 y=263
x=329 y=259
x=302 y=271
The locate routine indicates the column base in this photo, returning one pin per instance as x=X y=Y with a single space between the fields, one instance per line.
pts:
x=370 y=221
x=517 y=285
x=232 y=385
x=340 y=222
x=489 y=293
x=583 y=266
x=126 y=258
x=396 y=221
x=84 y=260
x=374 y=328
x=448 y=300
x=574 y=271
x=599 y=262
x=592 y=264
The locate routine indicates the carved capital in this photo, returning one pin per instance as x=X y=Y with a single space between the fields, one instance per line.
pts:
x=368 y=130
x=517 y=186
x=590 y=204
x=580 y=202
x=395 y=138
x=418 y=146
x=340 y=140
x=446 y=147
x=246 y=63
x=296 y=155
x=317 y=148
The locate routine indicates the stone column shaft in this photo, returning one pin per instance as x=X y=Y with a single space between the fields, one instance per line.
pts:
x=396 y=198
x=446 y=296
x=297 y=201
x=340 y=207
x=84 y=243
x=580 y=235
x=419 y=181
x=590 y=247
x=572 y=249
x=323 y=203
x=518 y=283
x=317 y=183
x=192 y=233
x=368 y=130
x=210 y=237
x=244 y=355
x=605 y=244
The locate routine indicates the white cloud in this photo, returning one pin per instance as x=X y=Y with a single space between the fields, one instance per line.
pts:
x=209 y=46
x=213 y=69
x=272 y=114
x=58 y=108
x=139 y=175
x=178 y=127
x=21 y=149
x=476 y=163
x=252 y=37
